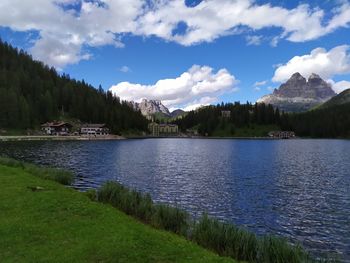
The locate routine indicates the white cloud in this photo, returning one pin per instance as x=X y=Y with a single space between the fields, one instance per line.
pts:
x=260 y=83
x=340 y=85
x=300 y=24
x=200 y=85
x=257 y=89
x=65 y=33
x=253 y=40
x=124 y=69
x=320 y=61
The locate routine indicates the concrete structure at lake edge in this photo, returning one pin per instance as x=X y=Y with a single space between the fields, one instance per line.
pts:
x=163 y=129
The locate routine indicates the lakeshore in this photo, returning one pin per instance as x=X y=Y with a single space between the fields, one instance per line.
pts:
x=58 y=138
x=57 y=212
x=117 y=137
x=42 y=221
x=240 y=184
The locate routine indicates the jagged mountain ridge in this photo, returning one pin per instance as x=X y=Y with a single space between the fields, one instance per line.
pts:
x=150 y=107
x=299 y=94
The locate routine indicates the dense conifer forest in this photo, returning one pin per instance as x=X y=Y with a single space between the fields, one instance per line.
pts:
x=211 y=118
x=332 y=122
x=31 y=93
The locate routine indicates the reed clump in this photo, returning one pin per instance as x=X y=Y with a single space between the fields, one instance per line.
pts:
x=223 y=238
x=141 y=206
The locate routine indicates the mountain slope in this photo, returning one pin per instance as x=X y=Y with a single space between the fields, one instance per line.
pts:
x=341 y=98
x=299 y=94
x=328 y=122
x=177 y=113
x=32 y=93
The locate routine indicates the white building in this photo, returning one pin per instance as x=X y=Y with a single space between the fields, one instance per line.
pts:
x=94 y=129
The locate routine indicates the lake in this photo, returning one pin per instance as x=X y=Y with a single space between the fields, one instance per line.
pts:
x=298 y=189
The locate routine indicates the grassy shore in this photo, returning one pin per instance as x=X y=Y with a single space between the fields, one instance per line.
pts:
x=43 y=221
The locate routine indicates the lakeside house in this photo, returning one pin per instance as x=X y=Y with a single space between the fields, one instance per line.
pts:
x=281 y=134
x=163 y=129
x=94 y=129
x=56 y=128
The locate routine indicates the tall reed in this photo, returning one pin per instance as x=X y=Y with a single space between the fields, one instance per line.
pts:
x=142 y=207
x=225 y=239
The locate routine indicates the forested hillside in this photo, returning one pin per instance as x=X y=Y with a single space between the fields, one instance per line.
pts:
x=257 y=119
x=32 y=93
x=210 y=120
x=330 y=122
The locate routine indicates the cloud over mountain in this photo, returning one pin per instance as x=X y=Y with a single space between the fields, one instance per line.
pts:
x=200 y=85
x=325 y=63
x=67 y=27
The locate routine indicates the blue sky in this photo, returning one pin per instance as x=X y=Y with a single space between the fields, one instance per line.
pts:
x=185 y=53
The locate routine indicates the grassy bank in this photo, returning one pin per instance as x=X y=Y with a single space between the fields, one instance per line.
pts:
x=42 y=221
x=87 y=229
x=225 y=239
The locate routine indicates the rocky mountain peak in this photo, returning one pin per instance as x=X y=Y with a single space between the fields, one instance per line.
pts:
x=296 y=76
x=299 y=94
x=149 y=107
x=314 y=76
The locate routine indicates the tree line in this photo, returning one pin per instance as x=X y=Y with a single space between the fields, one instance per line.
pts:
x=332 y=122
x=31 y=93
x=211 y=118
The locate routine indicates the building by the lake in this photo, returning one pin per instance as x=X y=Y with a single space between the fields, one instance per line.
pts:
x=94 y=129
x=156 y=129
x=56 y=128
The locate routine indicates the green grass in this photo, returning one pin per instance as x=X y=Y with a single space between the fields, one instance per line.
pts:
x=225 y=239
x=59 y=224
x=61 y=176
x=142 y=207
x=38 y=213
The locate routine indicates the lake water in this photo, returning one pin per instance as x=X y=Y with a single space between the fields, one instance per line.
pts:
x=298 y=189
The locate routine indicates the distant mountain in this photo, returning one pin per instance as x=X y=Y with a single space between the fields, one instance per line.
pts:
x=177 y=113
x=155 y=108
x=299 y=94
x=150 y=107
x=341 y=98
